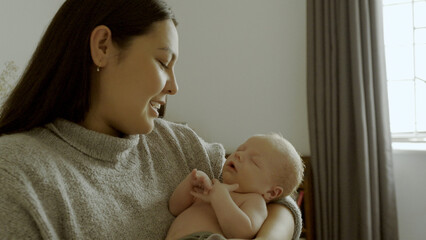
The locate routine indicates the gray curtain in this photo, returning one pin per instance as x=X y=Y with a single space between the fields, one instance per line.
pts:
x=349 y=128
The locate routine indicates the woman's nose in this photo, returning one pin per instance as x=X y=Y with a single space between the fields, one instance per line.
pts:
x=172 y=87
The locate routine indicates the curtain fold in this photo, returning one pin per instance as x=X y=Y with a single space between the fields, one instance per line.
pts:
x=349 y=127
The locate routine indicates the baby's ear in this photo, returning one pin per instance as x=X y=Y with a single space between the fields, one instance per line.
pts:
x=273 y=193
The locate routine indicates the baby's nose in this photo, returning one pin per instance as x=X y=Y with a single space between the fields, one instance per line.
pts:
x=238 y=156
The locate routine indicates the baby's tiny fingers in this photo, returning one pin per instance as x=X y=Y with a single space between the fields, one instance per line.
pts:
x=215 y=181
x=200 y=196
x=207 y=184
x=233 y=187
x=198 y=189
x=196 y=194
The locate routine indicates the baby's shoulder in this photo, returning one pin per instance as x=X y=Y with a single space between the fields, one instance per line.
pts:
x=252 y=198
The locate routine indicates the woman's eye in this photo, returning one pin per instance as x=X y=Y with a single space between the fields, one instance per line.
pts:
x=163 y=65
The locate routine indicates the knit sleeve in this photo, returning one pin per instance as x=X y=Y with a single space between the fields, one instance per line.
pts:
x=297 y=215
x=216 y=154
x=16 y=217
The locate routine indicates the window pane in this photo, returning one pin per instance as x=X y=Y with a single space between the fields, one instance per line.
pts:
x=421 y=61
x=400 y=62
x=420 y=14
x=405 y=45
x=395 y=1
x=421 y=105
x=401 y=106
x=398 y=30
x=420 y=35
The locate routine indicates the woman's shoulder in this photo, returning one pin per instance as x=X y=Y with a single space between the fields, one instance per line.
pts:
x=20 y=147
x=176 y=131
x=181 y=133
x=166 y=125
x=180 y=136
x=15 y=142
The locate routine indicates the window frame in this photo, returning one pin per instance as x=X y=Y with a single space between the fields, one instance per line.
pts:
x=415 y=136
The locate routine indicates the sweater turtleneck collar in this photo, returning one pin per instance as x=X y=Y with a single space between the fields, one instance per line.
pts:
x=97 y=145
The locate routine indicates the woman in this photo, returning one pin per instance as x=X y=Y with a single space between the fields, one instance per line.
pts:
x=82 y=153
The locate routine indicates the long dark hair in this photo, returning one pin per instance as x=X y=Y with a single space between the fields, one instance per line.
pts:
x=56 y=82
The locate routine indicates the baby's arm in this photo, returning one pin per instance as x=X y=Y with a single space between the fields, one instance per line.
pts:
x=236 y=221
x=244 y=221
x=181 y=198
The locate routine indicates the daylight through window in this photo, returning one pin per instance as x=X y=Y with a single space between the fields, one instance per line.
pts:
x=405 y=45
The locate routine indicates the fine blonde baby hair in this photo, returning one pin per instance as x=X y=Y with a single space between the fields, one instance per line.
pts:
x=290 y=175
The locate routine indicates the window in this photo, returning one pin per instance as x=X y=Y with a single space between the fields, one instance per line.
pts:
x=405 y=48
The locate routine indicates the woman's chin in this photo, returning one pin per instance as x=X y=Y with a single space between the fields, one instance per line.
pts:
x=146 y=125
x=146 y=129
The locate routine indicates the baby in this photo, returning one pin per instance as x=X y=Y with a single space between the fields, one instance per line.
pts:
x=264 y=168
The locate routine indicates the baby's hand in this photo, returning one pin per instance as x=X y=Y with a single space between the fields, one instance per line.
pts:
x=217 y=191
x=200 y=182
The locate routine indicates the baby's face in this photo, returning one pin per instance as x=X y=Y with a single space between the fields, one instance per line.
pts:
x=252 y=165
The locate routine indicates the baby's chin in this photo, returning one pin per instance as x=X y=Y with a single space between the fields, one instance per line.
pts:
x=228 y=181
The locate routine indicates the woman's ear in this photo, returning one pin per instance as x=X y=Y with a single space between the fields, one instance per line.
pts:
x=273 y=193
x=101 y=45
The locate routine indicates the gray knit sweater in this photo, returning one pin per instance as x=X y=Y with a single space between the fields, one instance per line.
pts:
x=63 y=181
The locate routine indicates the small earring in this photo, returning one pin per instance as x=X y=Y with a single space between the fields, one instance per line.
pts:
x=98 y=69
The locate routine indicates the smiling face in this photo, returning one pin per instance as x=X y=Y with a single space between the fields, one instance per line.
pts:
x=253 y=166
x=132 y=85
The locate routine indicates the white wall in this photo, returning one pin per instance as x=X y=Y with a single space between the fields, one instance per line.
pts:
x=22 y=24
x=242 y=69
x=410 y=180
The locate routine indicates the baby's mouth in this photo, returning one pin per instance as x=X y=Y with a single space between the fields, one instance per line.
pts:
x=232 y=166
